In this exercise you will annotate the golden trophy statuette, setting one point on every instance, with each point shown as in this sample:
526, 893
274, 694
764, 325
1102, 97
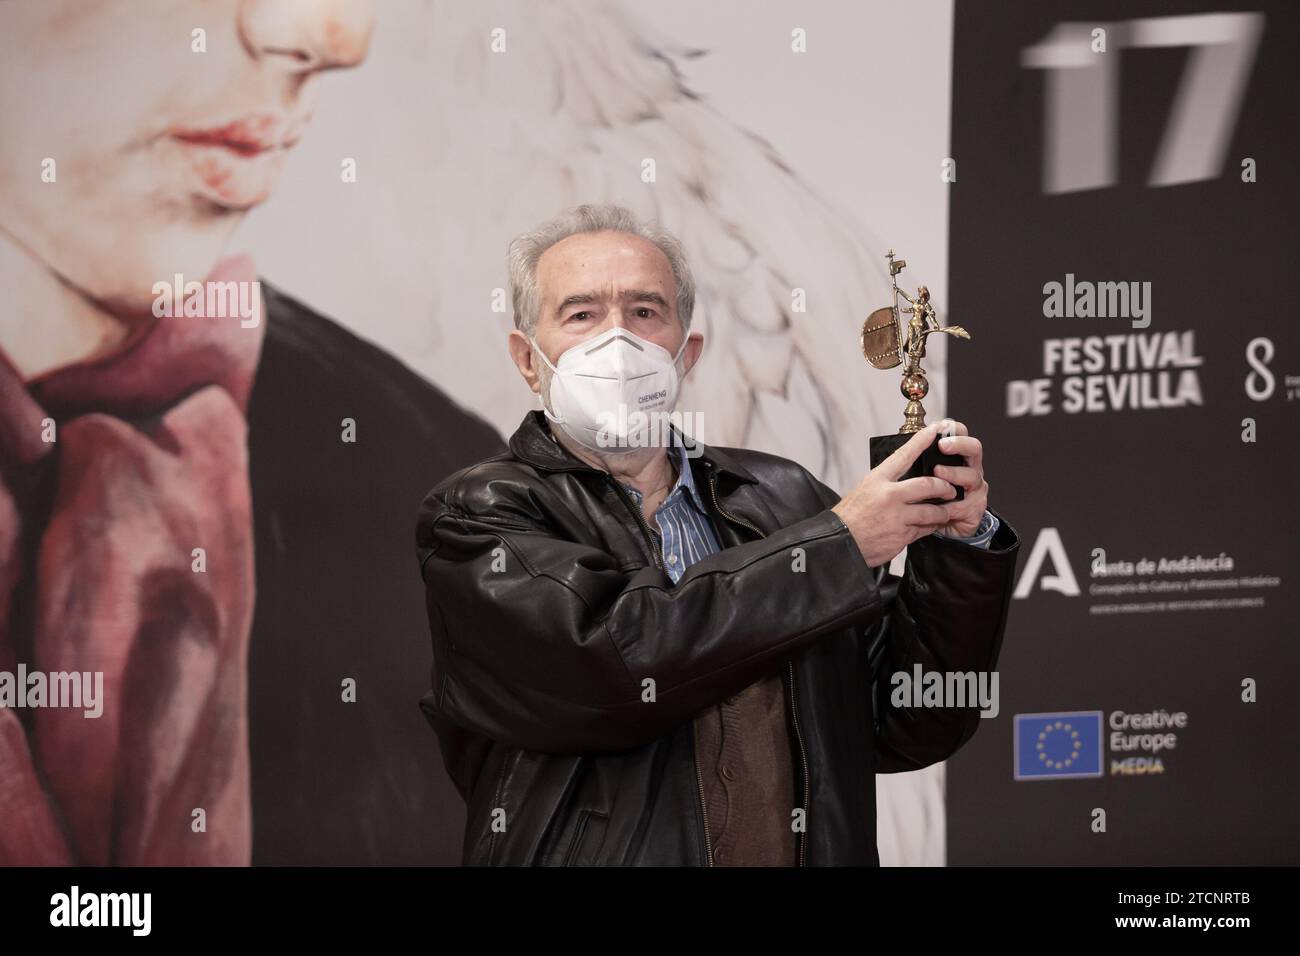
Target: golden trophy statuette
887, 343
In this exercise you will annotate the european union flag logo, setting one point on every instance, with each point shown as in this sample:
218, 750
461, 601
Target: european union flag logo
1058, 745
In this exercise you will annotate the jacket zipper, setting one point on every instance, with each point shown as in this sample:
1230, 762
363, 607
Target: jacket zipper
807, 790
650, 539
704, 816
657, 554
794, 706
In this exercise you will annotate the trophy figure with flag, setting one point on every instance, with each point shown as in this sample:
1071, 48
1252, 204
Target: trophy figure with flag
886, 344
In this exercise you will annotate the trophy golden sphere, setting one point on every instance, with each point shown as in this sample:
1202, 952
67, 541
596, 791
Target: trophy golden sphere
914, 386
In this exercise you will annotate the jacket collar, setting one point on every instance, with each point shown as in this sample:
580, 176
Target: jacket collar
532, 443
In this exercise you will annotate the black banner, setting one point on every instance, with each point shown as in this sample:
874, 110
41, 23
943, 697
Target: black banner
1123, 240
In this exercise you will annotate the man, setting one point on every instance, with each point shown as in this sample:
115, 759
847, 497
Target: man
644, 656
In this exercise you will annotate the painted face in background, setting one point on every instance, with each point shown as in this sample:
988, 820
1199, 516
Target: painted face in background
159, 138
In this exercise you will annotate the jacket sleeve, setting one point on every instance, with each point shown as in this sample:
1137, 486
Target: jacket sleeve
947, 613
552, 645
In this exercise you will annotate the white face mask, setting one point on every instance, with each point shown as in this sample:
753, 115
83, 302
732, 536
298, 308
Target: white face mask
604, 389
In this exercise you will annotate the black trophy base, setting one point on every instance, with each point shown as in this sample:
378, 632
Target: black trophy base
882, 446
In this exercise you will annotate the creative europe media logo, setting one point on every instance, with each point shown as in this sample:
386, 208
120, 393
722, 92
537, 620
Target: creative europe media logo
1069, 744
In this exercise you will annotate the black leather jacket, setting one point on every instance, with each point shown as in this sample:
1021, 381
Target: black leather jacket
568, 668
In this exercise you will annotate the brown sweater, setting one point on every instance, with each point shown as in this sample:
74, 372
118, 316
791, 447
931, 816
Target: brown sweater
747, 766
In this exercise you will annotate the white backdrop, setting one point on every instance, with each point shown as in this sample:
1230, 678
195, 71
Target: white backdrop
779, 170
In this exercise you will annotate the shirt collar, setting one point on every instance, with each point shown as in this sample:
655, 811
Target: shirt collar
685, 478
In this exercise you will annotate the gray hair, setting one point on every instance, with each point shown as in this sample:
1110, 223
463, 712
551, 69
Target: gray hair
527, 249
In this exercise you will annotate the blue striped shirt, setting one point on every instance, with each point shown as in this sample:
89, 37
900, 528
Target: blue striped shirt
684, 527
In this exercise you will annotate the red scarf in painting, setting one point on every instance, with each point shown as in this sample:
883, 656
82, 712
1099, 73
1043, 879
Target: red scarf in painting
99, 532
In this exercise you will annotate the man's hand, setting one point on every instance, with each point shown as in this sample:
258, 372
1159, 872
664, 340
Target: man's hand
964, 516
886, 515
